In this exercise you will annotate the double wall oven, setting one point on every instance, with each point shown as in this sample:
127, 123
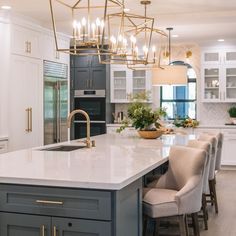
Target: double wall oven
94, 103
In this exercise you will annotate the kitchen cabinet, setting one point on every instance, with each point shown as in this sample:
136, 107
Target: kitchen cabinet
25, 103
49, 48
25, 41
88, 74
219, 76
229, 147
125, 83
12, 224
34, 210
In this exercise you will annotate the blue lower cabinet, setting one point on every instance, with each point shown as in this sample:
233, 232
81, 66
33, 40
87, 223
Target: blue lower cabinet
31, 225
76, 227
24, 225
52, 211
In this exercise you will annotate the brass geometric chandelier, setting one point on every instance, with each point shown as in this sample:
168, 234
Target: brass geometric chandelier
158, 41
87, 20
125, 38
104, 27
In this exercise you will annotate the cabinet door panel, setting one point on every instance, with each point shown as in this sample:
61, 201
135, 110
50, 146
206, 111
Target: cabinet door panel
82, 61
81, 79
98, 77
26, 92
75, 227
24, 225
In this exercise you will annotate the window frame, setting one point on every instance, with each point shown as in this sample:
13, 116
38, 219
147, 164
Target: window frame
190, 80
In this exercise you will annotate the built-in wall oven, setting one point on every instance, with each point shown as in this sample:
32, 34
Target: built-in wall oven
94, 103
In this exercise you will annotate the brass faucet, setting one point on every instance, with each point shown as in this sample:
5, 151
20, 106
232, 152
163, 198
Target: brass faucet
88, 142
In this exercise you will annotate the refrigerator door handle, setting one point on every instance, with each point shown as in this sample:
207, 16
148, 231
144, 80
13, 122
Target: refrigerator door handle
58, 114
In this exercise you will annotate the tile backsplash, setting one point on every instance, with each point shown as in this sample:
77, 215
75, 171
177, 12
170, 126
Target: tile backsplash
214, 113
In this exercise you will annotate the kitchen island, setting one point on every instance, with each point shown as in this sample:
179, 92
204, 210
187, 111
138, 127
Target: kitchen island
96, 191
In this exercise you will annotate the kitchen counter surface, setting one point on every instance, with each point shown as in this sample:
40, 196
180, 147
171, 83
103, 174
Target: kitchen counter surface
116, 161
210, 126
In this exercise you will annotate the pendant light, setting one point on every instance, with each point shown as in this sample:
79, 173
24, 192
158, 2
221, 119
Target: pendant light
169, 74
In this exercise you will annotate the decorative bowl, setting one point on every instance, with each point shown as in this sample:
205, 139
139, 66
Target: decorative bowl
150, 134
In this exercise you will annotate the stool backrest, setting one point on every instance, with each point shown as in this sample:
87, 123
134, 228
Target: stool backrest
184, 162
206, 146
214, 144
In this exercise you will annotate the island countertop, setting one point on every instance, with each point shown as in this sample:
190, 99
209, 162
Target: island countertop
116, 161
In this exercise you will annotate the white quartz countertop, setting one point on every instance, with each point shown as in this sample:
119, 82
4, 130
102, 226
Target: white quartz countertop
116, 161
210, 126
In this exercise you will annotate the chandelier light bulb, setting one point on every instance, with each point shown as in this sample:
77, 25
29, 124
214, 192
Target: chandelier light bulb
120, 38
98, 22
83, 21
74, 24
153, 49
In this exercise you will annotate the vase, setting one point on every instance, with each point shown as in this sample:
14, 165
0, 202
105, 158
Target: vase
150, 134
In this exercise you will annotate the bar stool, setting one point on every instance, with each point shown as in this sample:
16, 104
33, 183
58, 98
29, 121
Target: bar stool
207, 147
211, 180
179, 191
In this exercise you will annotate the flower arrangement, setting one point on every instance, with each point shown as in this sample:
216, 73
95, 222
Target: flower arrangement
186, 123
142, 117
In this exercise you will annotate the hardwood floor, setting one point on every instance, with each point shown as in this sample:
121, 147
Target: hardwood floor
221, 224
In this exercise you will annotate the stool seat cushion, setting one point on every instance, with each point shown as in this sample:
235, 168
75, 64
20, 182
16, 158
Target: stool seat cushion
159, 202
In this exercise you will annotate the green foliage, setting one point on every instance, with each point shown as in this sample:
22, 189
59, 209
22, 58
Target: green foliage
142, 117
187, 122
232, 112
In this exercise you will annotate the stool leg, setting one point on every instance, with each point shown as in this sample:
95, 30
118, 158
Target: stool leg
182, 225
214, 194
204, 210
145, 222
195, 224
157, 227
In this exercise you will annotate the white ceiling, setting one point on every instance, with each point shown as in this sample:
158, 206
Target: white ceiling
193, 20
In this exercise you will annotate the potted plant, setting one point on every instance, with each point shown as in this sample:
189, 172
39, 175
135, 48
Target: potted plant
232, 114
143, 119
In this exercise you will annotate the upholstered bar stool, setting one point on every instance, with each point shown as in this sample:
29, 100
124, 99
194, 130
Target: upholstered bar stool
207, 147
179, 191
212, 189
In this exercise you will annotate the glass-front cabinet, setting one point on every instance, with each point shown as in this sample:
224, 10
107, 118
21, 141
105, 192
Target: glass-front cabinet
219, 76
126, 83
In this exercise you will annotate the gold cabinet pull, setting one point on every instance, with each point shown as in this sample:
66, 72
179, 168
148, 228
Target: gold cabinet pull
42, 229
28, 120
50, 202
54, 231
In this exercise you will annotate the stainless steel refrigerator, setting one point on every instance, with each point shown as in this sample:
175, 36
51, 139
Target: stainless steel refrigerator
55, 102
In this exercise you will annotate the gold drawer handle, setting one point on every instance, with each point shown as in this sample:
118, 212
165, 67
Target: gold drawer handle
42, 230
50, 202
54, 231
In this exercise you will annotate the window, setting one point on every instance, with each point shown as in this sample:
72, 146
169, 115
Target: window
180, 101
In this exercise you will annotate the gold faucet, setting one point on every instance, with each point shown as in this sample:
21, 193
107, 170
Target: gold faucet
88, 142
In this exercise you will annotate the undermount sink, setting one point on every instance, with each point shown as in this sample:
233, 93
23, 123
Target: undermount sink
63, 148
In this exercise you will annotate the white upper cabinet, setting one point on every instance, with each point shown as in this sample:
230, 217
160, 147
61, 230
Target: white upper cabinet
25, 42
49, 48
219, 57
125, 83
218, 76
